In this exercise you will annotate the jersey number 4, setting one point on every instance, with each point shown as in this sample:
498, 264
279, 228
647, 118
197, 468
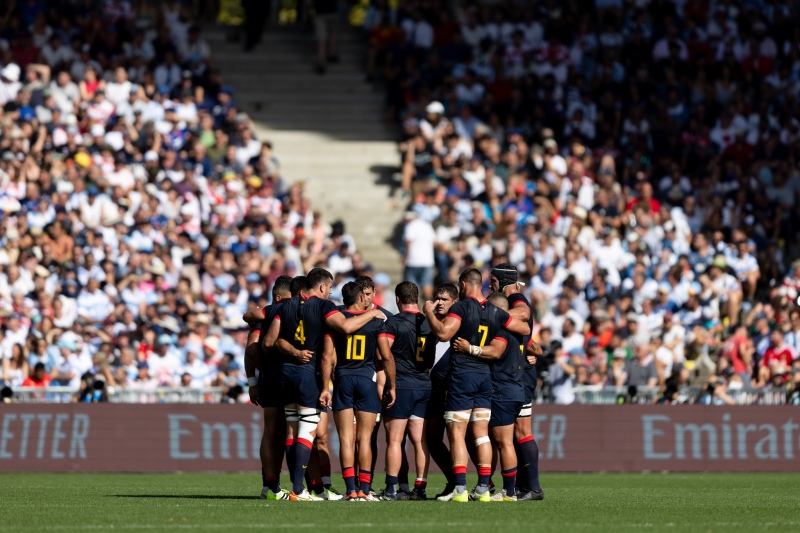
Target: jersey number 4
356, 347
483, 331
300, 333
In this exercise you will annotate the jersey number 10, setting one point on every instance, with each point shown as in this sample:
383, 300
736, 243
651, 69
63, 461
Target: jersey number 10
356, 347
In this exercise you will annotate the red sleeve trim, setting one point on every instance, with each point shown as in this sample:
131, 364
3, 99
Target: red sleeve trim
453, 315
331, 313
264, 311
500, 339
328, 336
256, 331
519, 302
277, 317
507, 322
387, 335
530, 341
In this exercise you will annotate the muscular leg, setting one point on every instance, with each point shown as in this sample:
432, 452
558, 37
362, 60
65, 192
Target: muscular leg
395, 433
402, 475
365, 422
422, 457
306, 432
527, 454
479, 422
272, 446
291, 436
347, 442
456, 434
434, 435
503, 436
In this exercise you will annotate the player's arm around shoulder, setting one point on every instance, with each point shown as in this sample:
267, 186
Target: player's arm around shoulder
447, 328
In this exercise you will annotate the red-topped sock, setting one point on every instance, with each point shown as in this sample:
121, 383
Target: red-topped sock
349, 475
510, 481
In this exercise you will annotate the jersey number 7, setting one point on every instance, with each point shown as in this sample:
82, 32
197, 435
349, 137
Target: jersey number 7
483, 331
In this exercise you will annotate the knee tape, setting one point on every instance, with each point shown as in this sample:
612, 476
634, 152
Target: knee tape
480, 416
291, 413
525, 412
309, 418
482, 440
456, 416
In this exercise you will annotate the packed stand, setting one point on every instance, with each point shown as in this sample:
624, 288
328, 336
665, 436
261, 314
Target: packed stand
140, 215
633, 159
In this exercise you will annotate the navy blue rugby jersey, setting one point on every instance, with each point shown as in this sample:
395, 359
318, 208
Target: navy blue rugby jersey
507, 371
480, 323
410, 333
355, 354
302, 325
516, 300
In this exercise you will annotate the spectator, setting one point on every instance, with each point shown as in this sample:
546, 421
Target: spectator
38, 378
641, 369
419, 238
560, 373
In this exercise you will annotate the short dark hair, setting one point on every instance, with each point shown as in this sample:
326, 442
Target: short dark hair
407, 292
447, 288
317, 277
350, 293
38, 366
498, 299
298, 284
283, 285
471, 276
365, 282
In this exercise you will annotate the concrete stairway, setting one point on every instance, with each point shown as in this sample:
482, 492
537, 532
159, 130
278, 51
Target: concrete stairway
328, 131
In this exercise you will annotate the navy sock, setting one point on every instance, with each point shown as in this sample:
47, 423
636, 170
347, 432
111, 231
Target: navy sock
420, 485
484, 475
460, 475
365, 481
391, 484
529, 460
290, 458
263, 479
272, 484
509, 480
349, 475
522, 473
302, 452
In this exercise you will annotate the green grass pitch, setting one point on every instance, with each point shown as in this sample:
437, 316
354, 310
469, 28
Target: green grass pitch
230, 502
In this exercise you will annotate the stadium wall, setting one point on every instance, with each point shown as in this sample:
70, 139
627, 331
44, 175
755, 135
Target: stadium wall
200, 438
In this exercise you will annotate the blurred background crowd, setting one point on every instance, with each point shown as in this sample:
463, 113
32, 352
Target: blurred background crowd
634, 159
140, 214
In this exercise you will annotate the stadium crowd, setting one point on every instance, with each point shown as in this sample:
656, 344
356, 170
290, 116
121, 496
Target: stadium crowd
635, 160
140, 214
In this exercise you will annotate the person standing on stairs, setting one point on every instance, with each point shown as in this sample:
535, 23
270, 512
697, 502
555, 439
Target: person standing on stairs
326, 14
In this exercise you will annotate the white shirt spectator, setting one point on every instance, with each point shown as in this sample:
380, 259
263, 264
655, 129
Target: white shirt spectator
419, 237
94, 305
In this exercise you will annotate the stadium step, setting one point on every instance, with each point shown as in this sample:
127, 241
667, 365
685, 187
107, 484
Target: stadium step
328, 131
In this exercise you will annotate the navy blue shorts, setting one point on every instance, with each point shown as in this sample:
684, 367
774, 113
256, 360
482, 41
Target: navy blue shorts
468, 391
504, 413
409, 403
270, 391
436, 403
299, 386
356, 392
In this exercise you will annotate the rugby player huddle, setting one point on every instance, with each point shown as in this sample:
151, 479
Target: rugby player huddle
463, 365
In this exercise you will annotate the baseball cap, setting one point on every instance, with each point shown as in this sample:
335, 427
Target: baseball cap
142, 364
435, 108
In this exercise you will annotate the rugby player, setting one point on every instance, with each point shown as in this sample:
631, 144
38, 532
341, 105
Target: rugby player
354, 392
405, 335
505, 279
469, 391
265, 392
437, 359
297, 332
507, 353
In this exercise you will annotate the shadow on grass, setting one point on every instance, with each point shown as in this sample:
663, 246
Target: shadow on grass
187, 496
